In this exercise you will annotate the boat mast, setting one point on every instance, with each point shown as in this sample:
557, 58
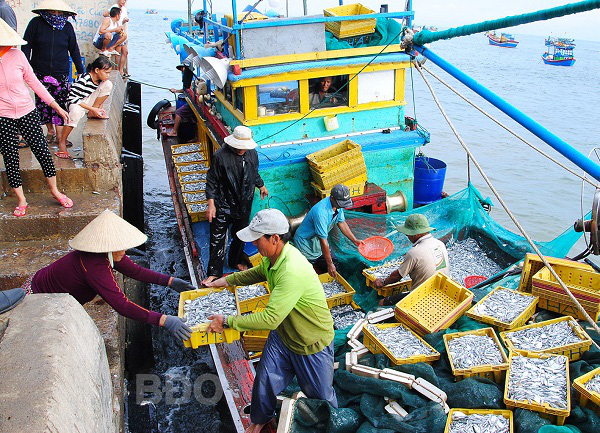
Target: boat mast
190, 16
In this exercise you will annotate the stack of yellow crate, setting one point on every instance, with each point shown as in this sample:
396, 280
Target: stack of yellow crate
341, 163
191, 162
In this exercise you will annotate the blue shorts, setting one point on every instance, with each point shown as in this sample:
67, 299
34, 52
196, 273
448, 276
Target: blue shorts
98, 42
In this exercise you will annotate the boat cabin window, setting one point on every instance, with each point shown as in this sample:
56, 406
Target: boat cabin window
321, 90
228, 93
239, 99
278, 98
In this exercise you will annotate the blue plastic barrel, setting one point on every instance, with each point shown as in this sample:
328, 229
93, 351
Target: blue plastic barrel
429, 180
180, 101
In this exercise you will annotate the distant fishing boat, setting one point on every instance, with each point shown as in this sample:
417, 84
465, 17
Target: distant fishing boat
560, 42
151, 11
559, 55
165, 18
506, 40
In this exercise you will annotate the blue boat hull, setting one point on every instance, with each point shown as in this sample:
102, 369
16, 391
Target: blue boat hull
503, 44
567, 62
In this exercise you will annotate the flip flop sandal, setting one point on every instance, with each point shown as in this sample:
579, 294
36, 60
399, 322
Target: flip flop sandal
65, 201
20, 211
63, 155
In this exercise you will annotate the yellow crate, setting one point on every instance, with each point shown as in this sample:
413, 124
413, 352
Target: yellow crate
333, 156
183, 176
375, 346
555, 415
181, 158
199, 335
356, 189
492, 372
587, 398
254, 341
390, 289
176, 149
520, 320
253, 303
573, 351
345, 29
255, 259
188, 199
505, 413
195, 216
193, 186
434, 305
186, 167
562, 304
533, 264
341, 298
357, 172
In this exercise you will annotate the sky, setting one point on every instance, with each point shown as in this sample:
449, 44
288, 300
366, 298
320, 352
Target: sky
441, 13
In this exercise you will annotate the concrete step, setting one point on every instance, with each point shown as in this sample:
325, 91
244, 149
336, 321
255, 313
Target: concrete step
47, 219
71, 176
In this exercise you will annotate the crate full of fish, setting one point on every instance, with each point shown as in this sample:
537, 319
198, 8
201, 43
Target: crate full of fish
194, 197
539, 382
476, 353
588, 389
190, 167
189, 157
197, 211
254, 341
479, 420
533, 264
434, 305
561, 336
399, 343
196, 305
384, 271
249, 298
179, 149
198, 186
346, 315
504, 308
583, 284
337, 290
197, 176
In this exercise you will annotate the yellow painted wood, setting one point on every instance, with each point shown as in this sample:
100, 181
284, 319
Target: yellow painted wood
353, 91
303, 92
239, 116
250, 103
400, 81
319, 55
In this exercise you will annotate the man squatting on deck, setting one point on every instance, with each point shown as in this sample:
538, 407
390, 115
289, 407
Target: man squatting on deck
427, 256
301, 339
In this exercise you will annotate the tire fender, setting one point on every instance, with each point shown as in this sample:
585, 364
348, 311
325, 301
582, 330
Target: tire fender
152, 120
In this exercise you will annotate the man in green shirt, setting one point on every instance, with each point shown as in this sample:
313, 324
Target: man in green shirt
301, 341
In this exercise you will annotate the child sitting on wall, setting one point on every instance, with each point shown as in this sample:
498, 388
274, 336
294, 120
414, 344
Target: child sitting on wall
87, 94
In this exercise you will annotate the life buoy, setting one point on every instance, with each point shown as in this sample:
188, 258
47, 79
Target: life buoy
152, 120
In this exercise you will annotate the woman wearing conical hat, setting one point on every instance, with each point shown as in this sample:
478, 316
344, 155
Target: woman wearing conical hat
19, 116
88, 271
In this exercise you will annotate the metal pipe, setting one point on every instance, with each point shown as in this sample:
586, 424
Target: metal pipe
189, 16
564, 148
305, 7
204, 26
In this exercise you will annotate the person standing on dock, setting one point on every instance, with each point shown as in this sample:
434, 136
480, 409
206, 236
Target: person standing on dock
427, 256
301, 339
230, 184
122, 48
89, 271
311, 236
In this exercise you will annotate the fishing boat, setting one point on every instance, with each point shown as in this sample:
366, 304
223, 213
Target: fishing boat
557, 55
505, 40
151, 11
267, 88
560, 42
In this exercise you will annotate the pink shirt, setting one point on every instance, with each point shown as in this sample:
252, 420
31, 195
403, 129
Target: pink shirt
15, 70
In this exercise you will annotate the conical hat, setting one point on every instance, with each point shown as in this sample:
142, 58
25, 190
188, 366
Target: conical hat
107, 233
53, 5
8, 37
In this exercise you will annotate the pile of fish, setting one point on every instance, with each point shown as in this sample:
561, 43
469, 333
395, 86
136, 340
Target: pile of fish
474, 350
544, 337
467, 258
480, 423
193, 177
196, 311
253, 291
193, 167
400, 341
189, 157
193, 186
386, 269
194, 147
345, 315
540, 380
195, 196
504, 305
333, 288
593, 384
197, 207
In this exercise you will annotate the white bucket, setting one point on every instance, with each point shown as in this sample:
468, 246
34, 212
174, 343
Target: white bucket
262, 111
331, 123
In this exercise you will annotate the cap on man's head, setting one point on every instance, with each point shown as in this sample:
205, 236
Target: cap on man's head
265, 222
415, 224
341, 196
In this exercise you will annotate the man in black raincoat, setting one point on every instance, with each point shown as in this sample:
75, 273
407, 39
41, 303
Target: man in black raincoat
230, 184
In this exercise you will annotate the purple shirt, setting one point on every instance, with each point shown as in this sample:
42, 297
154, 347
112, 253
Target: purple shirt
85, 275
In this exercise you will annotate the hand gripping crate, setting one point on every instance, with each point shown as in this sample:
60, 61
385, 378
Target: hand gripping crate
346, 29
434, 305
587, 398
252, 304
573, 351
199, 335
375, 346
520, 320
341, 298
196, 215
492, 372
389, 290
533, 264
254, 341
555, 415
505, 413
583, 284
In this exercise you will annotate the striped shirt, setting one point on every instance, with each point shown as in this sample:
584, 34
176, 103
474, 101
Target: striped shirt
81, 89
